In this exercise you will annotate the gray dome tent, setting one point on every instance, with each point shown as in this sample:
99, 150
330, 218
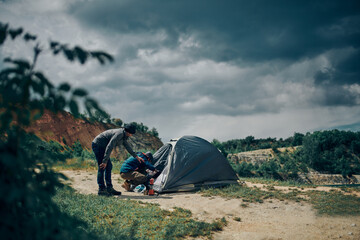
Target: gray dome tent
189, 163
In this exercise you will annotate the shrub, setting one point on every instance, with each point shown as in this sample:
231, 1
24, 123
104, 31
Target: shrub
27, 181
245, 169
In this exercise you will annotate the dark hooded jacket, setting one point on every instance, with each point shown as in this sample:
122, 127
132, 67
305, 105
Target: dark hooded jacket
109, 139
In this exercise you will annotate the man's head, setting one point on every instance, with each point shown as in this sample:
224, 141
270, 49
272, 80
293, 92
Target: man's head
130, 129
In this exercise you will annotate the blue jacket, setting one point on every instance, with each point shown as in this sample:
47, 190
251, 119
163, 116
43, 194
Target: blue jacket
132, 164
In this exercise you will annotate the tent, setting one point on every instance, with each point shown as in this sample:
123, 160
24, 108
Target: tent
189, 163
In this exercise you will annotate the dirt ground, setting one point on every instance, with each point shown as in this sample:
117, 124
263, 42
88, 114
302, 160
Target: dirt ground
272, 219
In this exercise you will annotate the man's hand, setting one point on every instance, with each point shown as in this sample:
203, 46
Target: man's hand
103, 165
139, 158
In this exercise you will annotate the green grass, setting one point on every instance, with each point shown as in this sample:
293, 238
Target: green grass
270, 181
334, 203
114, 218
83, 164
325, 203
251, 194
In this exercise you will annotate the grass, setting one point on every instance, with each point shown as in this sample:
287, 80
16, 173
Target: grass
333, 203
269, 181
83, 164
114, 218
251, 194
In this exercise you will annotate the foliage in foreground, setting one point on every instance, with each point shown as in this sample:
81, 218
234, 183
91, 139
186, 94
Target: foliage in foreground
27, 181
114, 218
326, 203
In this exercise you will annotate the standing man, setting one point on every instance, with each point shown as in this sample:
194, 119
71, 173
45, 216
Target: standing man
102, 145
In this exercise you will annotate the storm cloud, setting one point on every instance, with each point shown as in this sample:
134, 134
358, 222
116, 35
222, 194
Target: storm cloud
188, 67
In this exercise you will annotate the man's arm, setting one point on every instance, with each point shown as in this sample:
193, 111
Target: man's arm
110, 146
149, 166
129, 149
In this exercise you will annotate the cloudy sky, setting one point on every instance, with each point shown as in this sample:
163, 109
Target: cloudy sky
211, 68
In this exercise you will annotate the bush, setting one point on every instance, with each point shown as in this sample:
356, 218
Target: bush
245, 169
27, 181
332, 151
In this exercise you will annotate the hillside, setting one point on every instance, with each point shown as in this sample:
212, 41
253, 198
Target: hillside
312, 177
257, 156
66, 129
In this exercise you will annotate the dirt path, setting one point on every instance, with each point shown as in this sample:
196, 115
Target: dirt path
269, 220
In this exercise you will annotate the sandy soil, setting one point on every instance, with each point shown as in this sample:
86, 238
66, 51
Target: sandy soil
272, 219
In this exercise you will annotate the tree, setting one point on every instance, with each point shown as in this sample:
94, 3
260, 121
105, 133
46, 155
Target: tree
27, 181
297, 139
154, 132
219, 146
117, 122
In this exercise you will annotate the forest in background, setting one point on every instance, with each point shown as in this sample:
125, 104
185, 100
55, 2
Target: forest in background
330, 151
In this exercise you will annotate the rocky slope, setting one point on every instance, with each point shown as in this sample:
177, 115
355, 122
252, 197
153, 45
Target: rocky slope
66, 129
257, 156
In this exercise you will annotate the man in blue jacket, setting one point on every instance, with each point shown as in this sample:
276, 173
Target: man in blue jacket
102, 145
133, 171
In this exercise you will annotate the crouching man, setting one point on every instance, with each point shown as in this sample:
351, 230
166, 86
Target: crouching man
133, 171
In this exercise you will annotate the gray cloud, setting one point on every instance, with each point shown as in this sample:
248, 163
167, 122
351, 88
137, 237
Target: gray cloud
256, 30
241, 32
185, 66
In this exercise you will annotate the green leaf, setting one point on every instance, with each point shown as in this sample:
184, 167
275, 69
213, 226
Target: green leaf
28, 37
38, 87
91, 103
60, 103
64, 87
74, 107
81, 54
80, 92
54, 45
102, 56
22, 64
69, 54
3, 32
15, 32
44, 80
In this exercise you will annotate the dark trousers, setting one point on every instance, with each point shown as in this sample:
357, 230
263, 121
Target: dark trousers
99, 154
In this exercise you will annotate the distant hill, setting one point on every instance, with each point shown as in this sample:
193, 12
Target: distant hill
66, 129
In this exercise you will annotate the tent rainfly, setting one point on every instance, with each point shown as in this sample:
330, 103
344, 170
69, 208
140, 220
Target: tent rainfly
190, 163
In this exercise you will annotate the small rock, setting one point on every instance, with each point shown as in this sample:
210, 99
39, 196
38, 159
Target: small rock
350, 233
353, 225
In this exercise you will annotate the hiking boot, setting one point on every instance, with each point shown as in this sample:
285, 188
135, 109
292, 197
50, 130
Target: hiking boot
103, 192
127, 186
112, 191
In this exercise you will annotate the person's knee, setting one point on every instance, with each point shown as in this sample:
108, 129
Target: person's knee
141, 178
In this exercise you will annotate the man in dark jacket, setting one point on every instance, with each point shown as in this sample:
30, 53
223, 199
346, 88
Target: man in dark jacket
133, 171
102, 145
